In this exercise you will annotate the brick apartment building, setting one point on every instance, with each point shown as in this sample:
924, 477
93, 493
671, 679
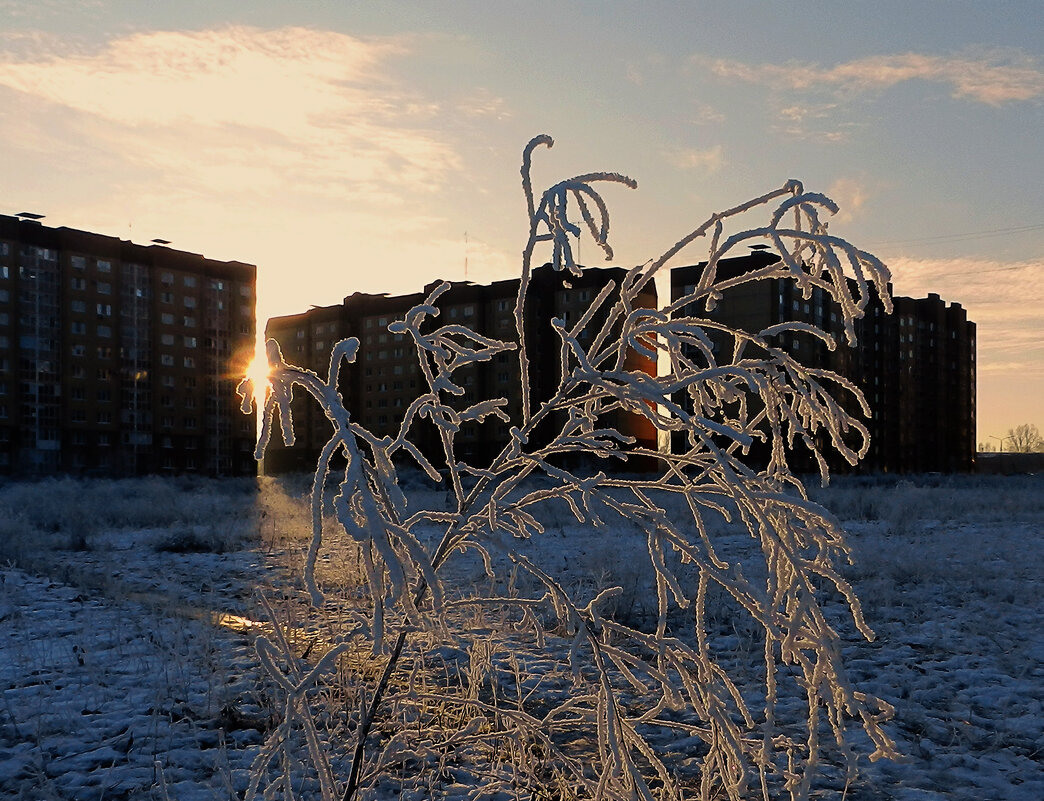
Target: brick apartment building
386, 377
120, 359
916, 367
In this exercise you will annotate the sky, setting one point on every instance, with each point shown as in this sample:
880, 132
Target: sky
375, 146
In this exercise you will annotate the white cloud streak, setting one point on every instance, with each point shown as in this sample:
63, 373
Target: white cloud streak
708, 160
247, 108
994, 78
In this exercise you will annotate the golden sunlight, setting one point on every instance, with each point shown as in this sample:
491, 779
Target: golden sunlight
257, 371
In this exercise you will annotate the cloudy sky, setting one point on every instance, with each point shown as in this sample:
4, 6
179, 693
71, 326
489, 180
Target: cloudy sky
374, 146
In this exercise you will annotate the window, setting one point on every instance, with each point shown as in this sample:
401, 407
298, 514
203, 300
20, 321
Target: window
104, 395
168, 381
78, 263
188, 322
104, 266
104, 352
167, 319
78, 350
104, 309
167, 339
78, 415
104, 331
78, 327
190, 302
190, 342
189, 281
103, 418
167, 279
189, 362
103, 287
167, 360
77, 283
245, 291
166, 297
78, 306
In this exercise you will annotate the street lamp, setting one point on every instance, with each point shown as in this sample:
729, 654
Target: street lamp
1000, 440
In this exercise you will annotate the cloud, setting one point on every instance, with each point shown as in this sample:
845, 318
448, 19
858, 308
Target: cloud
850, 194
709, 160
994, 78
244, 109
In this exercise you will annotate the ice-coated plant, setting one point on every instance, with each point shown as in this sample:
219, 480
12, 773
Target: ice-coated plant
627, 681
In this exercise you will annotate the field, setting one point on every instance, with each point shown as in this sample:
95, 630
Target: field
128, 612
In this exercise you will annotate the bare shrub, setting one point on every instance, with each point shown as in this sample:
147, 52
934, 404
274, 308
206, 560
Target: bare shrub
590, 731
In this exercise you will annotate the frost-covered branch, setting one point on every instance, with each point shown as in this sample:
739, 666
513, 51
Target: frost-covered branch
735, 404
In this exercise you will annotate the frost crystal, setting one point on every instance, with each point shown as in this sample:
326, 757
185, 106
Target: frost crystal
631, 678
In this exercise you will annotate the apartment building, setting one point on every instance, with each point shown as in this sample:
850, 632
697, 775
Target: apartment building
916, 366
386, 377
120, 359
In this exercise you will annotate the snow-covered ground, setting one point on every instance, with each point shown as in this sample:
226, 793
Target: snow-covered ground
127, 611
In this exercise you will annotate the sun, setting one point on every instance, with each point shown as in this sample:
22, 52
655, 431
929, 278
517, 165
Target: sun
257, 371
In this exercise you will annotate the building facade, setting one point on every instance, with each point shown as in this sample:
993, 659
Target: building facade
120, 359
915, 367
386, 378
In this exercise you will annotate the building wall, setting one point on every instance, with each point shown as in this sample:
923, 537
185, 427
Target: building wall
120, 359
916, 367
387, 377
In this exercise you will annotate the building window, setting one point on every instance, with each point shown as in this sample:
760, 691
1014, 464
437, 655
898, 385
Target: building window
104, 331
77, 283
78, 306
189, 281
167, 319
78, 350
104, 267
167, 360
78, 262
188, 322
104, 309
103, 288
167, 279
78, 327
190, 342
166, 297
189, 362
190, 302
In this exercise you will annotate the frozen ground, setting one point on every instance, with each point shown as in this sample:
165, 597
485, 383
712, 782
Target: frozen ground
128, 672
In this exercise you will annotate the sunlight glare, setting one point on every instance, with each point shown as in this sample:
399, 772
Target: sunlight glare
257, 371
